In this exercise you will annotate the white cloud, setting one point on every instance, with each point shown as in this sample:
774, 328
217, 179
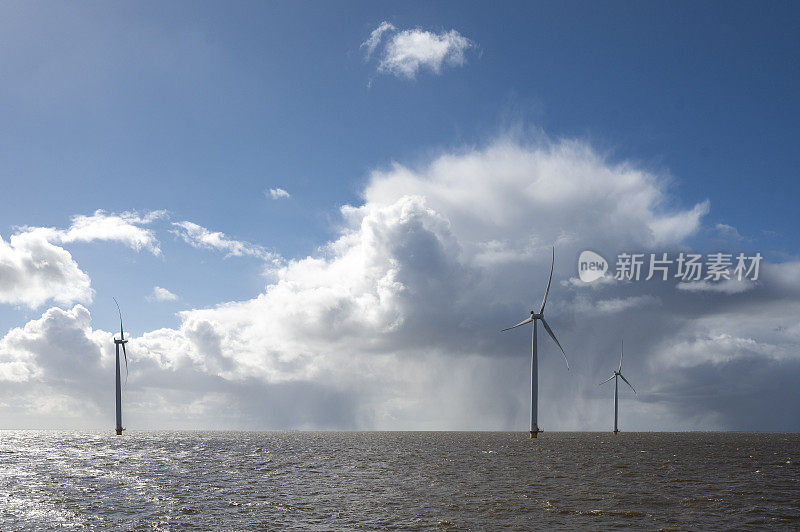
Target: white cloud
125, 227
604, 281
199, 237
33, 271
718, 348
517, 194
161, 294
407, 51
761, 331
727, 286
58, 347
728, 231
615, 305
278, 193
375, 37
668, 229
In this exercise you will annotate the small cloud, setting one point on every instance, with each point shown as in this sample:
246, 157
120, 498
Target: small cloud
728, 286
614, 305
278, 193
161, 294
728, 231
125, 227
680, 225
606, 280
375, 37
407, 51
199, 237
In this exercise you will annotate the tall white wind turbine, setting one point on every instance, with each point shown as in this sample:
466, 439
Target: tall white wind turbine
120, 342
616, 376
534, 364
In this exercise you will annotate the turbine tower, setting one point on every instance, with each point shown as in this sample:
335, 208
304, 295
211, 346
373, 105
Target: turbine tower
534, 364
616, 376
120, 342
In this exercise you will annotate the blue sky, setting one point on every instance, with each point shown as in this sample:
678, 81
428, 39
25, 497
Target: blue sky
199, 109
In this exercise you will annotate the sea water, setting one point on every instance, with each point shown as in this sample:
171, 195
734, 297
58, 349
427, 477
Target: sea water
397, 480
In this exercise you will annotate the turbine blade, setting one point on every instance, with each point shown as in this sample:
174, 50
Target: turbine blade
519, 324
621, 353
553, 336
121, 334
547, 291
629, 384
125, 354
608, 379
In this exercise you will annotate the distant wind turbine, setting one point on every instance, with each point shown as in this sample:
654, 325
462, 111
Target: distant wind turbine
616, 374
120, 342
534, 365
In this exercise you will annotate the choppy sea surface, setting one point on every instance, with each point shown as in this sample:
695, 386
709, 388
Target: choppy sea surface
397, 480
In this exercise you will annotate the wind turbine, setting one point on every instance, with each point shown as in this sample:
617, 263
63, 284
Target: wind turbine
534, 365
120, 342
615, 376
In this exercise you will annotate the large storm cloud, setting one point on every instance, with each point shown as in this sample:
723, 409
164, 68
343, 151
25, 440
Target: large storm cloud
394, 323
